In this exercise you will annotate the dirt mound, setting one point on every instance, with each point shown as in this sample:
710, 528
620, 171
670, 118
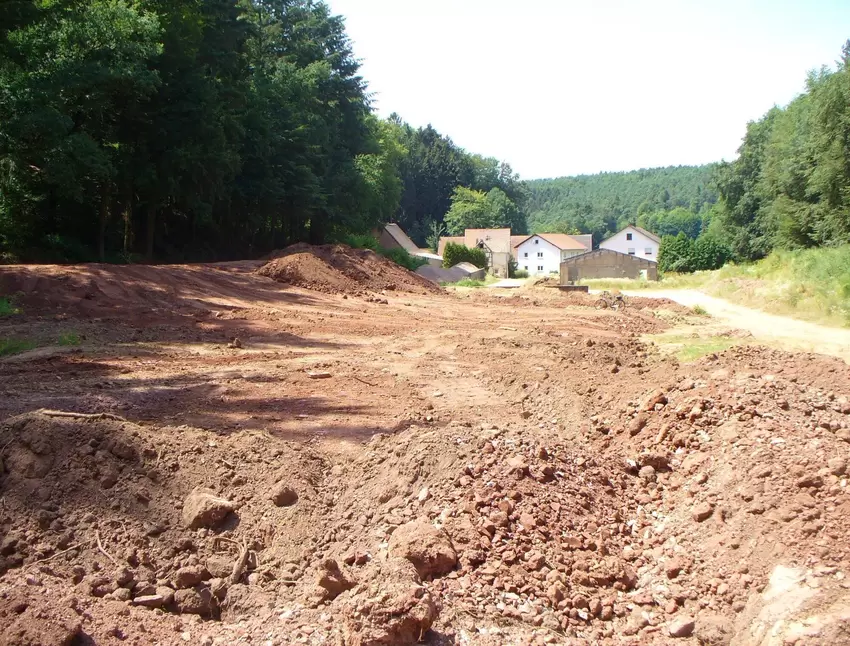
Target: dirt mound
339, 269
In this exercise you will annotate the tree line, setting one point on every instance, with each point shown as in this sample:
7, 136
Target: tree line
205, 129
790, 186
663, 200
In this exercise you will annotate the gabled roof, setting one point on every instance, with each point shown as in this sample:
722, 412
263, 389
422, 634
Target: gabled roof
497, 240
401, 238
562, 241
648, 234
607, 252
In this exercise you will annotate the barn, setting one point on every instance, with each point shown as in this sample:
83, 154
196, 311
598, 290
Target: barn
606, 263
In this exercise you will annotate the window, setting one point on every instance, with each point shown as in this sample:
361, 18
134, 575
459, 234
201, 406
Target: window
536, 241
539, 267
648, 251
526, 267
628, 236
631, 251
525, 255
539, 254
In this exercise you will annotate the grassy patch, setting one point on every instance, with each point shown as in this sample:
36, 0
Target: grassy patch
810, 284
468, 282
7, 307
70, 338
699, 310
690, 347
15, 346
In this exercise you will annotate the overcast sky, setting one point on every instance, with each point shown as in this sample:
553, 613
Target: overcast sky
563, 87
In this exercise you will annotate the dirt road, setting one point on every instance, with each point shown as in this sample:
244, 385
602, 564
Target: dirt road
219, 458
781, 331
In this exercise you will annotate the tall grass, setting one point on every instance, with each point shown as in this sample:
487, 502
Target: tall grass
811, 284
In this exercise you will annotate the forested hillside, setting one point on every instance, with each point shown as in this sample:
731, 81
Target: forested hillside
205, 129
790, 186
665, 200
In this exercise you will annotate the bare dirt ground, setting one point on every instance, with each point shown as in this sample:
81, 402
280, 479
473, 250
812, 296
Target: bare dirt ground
249, 462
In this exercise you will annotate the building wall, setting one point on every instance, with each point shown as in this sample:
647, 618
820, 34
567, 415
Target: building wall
606, 264
638, 246
499, 264
550, 260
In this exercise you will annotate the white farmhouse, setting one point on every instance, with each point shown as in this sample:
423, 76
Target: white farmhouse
634, 241
543, 253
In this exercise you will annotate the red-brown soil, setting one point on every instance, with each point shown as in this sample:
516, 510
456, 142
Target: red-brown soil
553, 478
338, 269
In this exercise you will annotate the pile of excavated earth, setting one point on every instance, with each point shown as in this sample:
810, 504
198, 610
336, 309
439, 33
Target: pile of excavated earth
532, 471
339, 269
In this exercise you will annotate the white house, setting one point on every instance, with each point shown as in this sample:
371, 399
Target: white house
634, 241
543, 253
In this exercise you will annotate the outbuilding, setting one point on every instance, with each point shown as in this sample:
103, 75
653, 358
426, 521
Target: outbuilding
605, 263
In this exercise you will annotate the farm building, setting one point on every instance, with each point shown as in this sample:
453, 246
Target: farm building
605, 263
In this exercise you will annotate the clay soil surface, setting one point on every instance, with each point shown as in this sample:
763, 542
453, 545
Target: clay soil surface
205, 455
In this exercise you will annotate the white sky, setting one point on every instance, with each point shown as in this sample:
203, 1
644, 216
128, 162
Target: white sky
562, 87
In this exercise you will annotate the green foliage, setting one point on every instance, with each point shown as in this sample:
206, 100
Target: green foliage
432, 171
671, 223
675, 254
398, 256
15, 346
681, 254
603, 204
455, 253
790, 186
195, 130
469, 282
361, 241
70, 339
403, 258
699, 310
709, 253
520, 273
7, 307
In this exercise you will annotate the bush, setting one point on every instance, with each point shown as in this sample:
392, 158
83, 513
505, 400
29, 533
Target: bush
403, 258
680, 254
361, 241
468, 282
398, 256
520, 273
455, 253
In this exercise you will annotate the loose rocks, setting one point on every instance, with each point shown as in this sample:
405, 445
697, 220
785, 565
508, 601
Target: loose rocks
203, 508
429, 549
283, 495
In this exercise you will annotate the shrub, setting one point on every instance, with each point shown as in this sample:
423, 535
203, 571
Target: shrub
398, 256
680, 254
7, 307
361, 241
403, 258
455, 253
468, 282
520, 273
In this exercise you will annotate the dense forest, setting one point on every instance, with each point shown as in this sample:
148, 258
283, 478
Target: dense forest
663, 200
790, 186
210, 129
200, 129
